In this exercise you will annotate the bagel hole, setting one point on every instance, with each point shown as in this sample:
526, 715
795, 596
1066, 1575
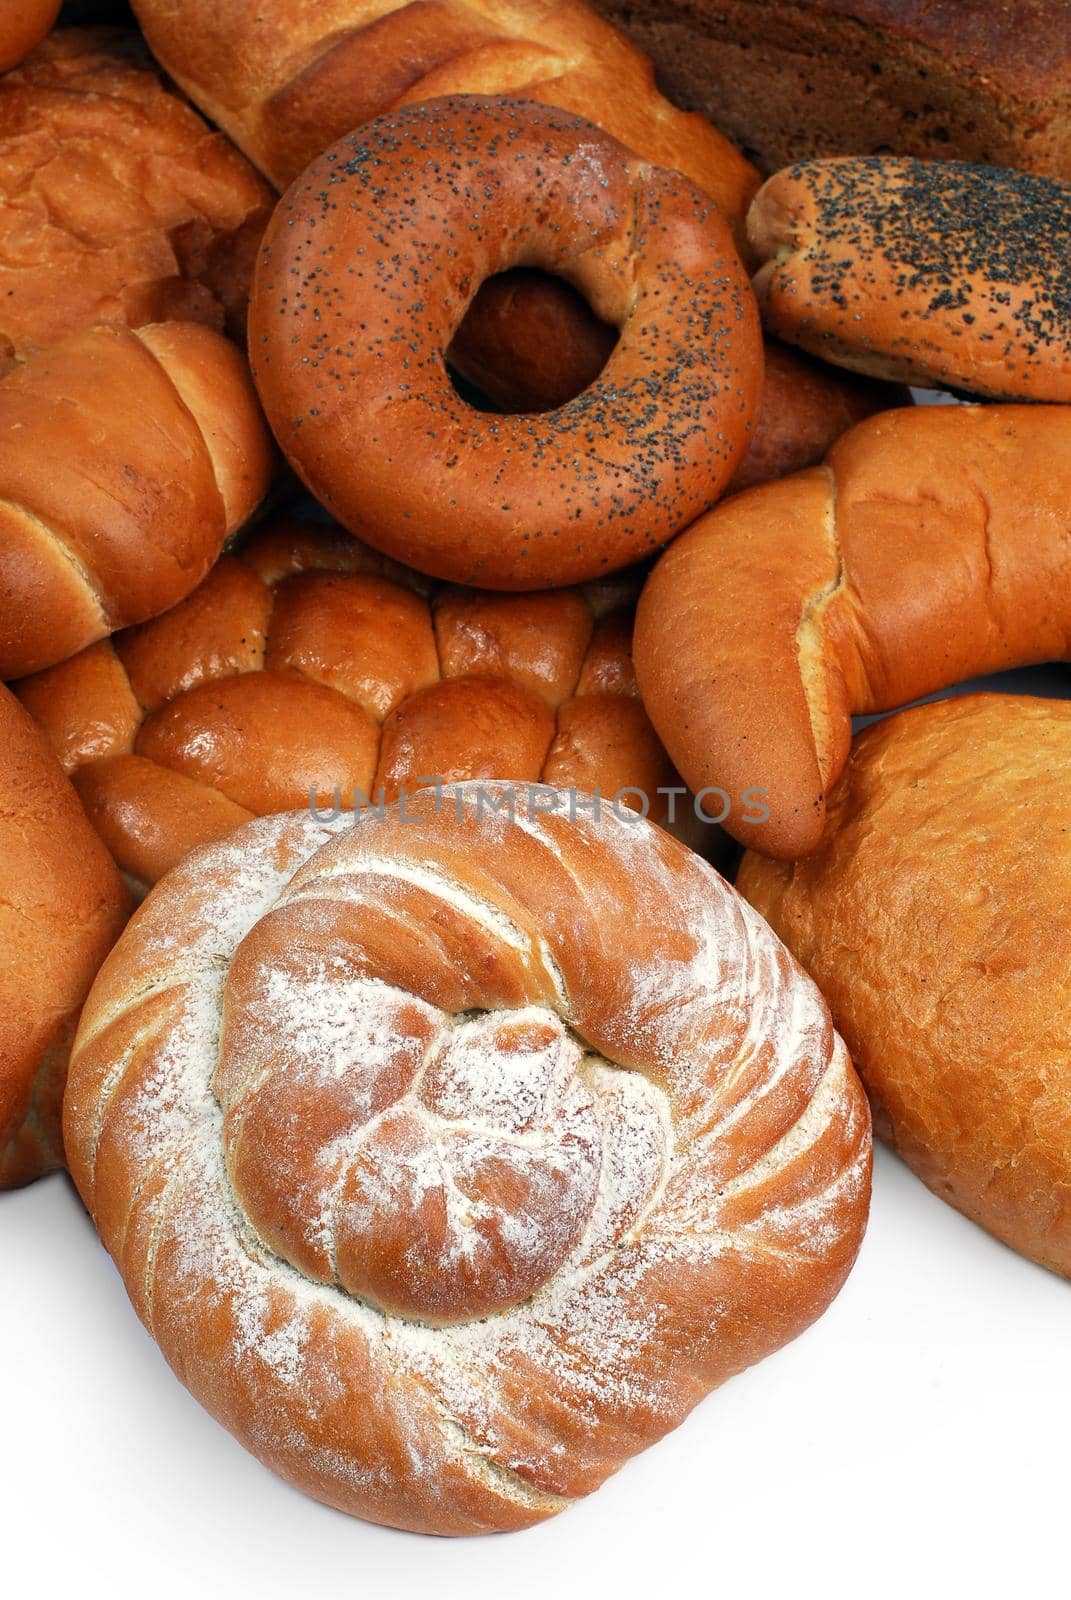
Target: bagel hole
529, 342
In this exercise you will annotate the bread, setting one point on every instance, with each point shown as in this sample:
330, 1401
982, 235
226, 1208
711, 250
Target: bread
430, 201
934, 544
285, 79
935, 918
934, 273
306, 666
440, 1198
23, 24
62, 906
125, 461
117, 203
984, 81
530, 343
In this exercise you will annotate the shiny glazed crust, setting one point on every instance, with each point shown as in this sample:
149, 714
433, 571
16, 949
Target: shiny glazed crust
929, 272
394, 229
452, 1161
62, 906
125, 461
306, 664
935, 917
934, 545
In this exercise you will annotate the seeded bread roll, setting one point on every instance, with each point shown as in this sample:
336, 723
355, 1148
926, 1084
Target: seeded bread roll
933, 273
936, 919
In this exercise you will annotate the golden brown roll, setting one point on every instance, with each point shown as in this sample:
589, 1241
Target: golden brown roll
285, 79
452, 1157
23, 24
928, 272
117, 203
366, 269
936, 919
306, 666
62, 906
126, 458
934, 545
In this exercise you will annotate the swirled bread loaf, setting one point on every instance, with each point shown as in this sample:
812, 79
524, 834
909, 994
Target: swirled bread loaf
451, 1161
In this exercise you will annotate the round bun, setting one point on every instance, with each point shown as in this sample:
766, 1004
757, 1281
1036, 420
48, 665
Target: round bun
62, 905
307, 665
23, 24
929, 272
125, 461
454, 1156
936, 919
117, 203
366, 271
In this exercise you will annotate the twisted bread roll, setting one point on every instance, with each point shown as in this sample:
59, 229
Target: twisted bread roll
930, 272
285, 79
935, 916
366, 270
23, 24
934, 545
117, 203
62, 906
452, 1161
125, 461
307, 666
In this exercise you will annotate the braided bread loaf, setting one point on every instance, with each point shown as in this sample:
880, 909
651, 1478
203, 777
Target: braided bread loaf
125, 461
61, 908
23, 24
934, 545
452, 1160
117, 203
307, 665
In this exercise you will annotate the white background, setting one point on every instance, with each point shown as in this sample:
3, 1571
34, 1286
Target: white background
914, 1442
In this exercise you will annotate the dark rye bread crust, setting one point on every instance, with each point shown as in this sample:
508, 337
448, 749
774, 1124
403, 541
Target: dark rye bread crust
976, 80
937, 273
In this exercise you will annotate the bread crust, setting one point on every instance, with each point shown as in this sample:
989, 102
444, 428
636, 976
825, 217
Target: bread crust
287, 79
935, 920
985, 81
22, 26
933, 546
127, 459
935, 273
117, 203
621, 1210
430, 202
307, 664
62, 906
